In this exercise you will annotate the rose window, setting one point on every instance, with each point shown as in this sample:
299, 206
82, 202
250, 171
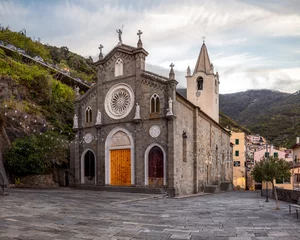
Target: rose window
119, 101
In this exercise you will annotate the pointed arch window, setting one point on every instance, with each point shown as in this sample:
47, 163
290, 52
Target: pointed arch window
154, 104
88, 114
200, 83
119, 67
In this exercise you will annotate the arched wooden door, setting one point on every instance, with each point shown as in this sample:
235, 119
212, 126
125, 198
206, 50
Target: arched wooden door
156, 167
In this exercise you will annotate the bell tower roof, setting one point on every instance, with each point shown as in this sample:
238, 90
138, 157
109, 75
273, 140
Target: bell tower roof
203, 63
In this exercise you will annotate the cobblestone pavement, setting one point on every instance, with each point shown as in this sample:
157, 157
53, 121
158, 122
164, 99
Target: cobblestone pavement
78, 214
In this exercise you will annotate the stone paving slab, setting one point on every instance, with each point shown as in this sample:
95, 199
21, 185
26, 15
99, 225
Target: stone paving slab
77, 214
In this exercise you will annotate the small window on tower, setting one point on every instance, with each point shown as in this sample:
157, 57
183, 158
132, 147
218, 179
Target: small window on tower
200, 83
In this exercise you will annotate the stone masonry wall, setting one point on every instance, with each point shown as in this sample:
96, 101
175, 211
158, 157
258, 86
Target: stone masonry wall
183, 170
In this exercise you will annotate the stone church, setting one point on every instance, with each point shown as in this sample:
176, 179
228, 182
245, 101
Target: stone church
134, 130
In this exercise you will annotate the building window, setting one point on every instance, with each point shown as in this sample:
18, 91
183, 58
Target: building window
89, 165
237, 153
283, 180
88, 114
184, 137
267, 154
295, 160
118, 67
237, 141
200, 83
297, 178
275, 154
154, 104
236, 163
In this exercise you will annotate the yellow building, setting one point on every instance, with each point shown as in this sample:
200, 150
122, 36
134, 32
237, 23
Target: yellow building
239, 159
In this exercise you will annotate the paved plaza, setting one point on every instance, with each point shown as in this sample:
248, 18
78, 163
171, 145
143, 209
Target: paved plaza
78, 214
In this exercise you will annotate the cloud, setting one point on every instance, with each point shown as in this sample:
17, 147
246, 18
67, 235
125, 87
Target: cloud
251, 43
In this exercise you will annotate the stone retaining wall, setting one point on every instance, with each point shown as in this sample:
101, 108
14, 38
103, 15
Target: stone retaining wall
37, 181
284, 195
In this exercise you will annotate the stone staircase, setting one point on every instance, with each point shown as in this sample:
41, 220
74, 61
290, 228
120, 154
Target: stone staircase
217, 188
130, 189
212, 189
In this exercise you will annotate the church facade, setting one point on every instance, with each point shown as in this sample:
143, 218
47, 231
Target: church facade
133, 129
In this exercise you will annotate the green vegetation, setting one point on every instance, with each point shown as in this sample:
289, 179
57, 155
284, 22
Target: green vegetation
229, 123
265, 112
78, 66
31, 89
36, 154
269, 170
37, 87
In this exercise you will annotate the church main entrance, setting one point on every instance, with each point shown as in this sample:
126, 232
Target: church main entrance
119, 158
120, 167
156, 167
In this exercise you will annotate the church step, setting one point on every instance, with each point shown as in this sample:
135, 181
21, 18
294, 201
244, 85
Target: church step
212, 189
130, 189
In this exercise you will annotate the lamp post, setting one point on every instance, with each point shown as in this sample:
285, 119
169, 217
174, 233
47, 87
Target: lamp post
207, 162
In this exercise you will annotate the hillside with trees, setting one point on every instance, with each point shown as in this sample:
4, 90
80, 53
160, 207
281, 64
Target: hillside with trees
273, 114
36, 109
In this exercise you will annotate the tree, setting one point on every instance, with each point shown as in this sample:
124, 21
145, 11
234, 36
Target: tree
270, 169
36, 154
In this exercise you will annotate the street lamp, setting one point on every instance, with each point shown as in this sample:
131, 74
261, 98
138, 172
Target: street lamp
207, 162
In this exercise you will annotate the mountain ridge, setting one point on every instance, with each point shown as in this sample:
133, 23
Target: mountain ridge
270, 113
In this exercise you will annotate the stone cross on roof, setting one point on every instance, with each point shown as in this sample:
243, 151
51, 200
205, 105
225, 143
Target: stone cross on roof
100, 54
100, 47
172, 65
139, 33
203, 37
139, 44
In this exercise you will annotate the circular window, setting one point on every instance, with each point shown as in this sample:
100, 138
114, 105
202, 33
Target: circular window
119, 101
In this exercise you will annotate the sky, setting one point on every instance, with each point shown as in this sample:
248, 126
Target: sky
253, 44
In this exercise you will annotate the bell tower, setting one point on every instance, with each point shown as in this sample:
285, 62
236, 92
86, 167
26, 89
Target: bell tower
203, 85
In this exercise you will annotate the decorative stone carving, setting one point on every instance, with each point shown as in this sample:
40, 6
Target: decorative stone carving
120, 139
75, 121
120, 32
77, 89
88, 138
137, 112
154, 131
119, 101
98, 118
170, 109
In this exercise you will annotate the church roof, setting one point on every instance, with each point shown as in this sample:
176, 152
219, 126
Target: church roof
124, 49
203, 62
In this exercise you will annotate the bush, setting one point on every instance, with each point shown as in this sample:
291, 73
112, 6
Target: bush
36, 154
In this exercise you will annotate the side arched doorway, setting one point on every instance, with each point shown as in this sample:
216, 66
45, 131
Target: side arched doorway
155, 166
88, 167
119, 158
